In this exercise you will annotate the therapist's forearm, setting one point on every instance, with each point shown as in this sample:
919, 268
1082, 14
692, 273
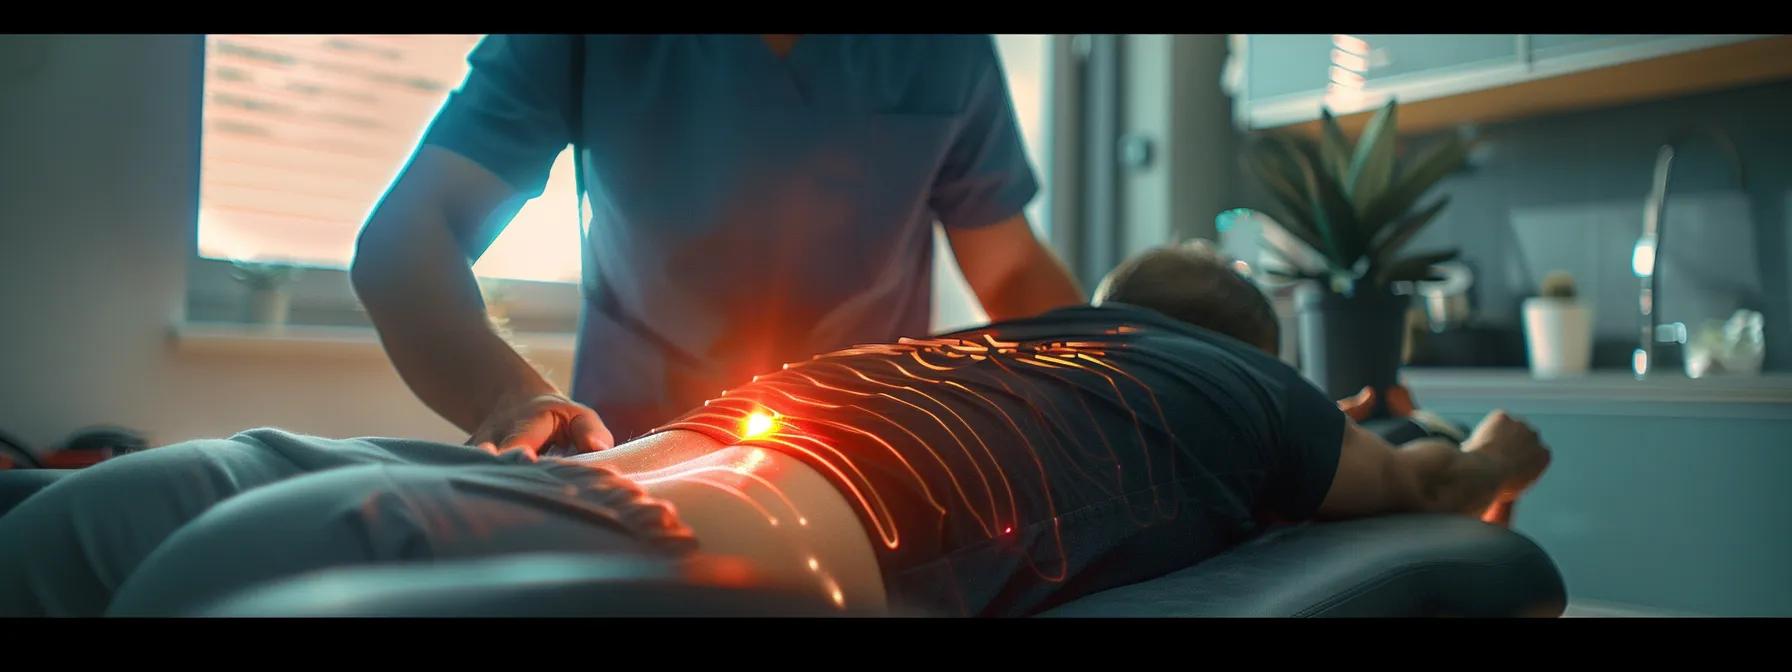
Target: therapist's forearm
1031, 289
422, 297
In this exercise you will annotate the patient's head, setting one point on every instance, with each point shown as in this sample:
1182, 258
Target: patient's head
1195, 283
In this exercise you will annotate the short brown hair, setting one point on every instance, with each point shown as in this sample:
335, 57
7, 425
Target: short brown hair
1195, 283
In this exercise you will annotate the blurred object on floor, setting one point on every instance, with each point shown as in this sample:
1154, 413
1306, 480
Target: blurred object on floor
94, 445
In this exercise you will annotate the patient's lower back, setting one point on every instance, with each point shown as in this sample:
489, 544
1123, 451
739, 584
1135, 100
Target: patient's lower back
1000, 469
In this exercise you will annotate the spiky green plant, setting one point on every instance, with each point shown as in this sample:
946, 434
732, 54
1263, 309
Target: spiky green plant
1353, 204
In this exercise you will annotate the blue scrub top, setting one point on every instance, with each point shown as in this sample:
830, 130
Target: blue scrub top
746, 209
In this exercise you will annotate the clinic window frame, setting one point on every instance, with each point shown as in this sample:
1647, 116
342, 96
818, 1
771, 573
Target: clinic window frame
323, 296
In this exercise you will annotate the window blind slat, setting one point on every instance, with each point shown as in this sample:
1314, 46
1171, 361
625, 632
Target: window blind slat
304, 133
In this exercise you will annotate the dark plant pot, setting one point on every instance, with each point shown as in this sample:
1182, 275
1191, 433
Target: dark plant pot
1348, 343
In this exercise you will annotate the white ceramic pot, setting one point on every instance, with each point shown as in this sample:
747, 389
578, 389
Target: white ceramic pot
1559, 336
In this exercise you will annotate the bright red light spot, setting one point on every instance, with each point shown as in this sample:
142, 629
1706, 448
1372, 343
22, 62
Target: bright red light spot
757, 424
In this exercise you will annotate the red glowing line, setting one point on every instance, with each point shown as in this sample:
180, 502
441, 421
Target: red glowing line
1165, 420
1033, 454
917, 357
776, 492
858, 490
795, 422
1138, 432
802, 433
805, 400
1002, 475
889, 535
737, 493
1114, 459
918, 440
1162, 419
889, 539
886, 445
1035, 406
1051, 506
942, 423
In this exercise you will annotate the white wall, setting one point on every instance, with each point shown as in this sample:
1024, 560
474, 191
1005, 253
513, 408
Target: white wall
98, 180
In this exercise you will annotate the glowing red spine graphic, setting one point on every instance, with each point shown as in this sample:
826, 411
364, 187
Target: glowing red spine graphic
836, 405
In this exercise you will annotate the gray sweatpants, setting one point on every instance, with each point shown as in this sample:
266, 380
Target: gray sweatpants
171, 529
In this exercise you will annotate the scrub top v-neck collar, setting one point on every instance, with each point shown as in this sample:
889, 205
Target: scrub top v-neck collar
793, 73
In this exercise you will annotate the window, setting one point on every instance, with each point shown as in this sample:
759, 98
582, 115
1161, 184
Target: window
1026, 60
304, 133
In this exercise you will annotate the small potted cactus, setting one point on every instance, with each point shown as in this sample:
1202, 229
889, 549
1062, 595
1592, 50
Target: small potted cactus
268, 301
1558, 329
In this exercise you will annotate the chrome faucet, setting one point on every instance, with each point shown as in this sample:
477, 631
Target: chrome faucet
1648, 252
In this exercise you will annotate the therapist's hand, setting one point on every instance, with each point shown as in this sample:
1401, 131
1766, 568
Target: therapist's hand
533, 424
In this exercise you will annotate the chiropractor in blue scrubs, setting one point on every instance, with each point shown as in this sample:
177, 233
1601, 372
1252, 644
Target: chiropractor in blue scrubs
753, 200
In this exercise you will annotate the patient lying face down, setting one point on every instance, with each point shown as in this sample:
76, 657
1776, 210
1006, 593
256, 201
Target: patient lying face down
999, 470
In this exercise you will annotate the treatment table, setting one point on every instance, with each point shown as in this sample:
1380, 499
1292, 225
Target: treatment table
1396, 566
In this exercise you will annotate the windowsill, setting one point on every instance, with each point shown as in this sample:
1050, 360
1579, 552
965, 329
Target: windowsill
313, 341
322, 298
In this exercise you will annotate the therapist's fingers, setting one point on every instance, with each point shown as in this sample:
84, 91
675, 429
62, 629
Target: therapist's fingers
546, 423
486, 437
558, 429
530, 434
586, 433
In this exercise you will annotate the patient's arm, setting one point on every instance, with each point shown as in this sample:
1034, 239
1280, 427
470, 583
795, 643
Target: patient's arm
413, 272
1500, 460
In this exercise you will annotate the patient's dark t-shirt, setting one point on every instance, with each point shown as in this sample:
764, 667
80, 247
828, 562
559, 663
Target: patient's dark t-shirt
1005, 469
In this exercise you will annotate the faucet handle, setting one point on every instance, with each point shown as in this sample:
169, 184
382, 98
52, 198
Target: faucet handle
1669, 350
1671, 332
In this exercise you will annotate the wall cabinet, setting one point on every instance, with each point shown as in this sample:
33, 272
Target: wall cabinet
1280, 80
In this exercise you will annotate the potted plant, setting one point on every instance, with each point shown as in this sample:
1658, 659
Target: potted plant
268, 301
1348, 211
1558, 329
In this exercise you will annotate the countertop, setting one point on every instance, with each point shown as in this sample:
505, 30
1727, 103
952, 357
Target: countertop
1602, 392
